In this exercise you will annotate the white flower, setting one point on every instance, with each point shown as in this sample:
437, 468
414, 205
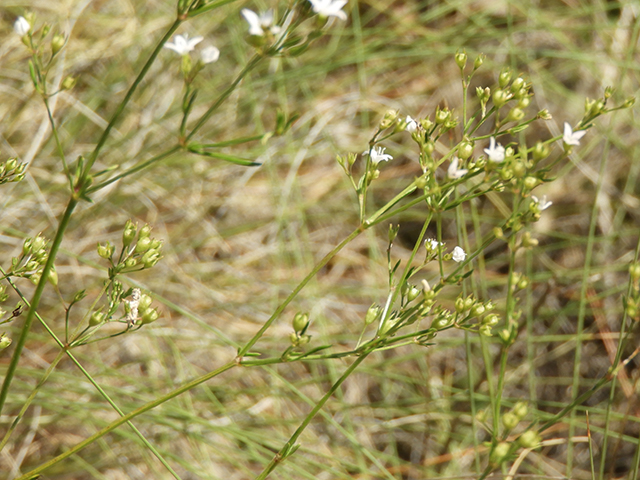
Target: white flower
329, 8
259, 23
458, 255
21, 26
542, 203
209, 54
412, 125
182, 44
494, 152
378, 155
431, 244
453, 171
570, 137
132, 316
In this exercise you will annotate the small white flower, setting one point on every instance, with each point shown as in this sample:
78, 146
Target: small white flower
458, 255
495, 152
21, 26
378, 155
259, 23
542, 203
412, 125
432, 245
329, 8
209, 54
182, 44
570, 137
453, 171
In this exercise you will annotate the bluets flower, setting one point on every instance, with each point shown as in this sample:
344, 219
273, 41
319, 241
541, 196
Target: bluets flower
209, 54
453, 171
329, 8
182, 44
21, 26
458, 255
495, 152
377, 155
570, 137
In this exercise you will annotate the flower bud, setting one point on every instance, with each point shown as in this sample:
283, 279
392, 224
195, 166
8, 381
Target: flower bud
129, 233
38, 243
465, 150
150, 258
517, 85
540, 151
21, 27
144, 303
500, 453
442, 115
523, 101
68, 83
528, 241
629, 102
478, 62
145, 231
53, 276
300, 322
529, 439
491, 320
57, 42
96, 319
459, 305
303, 340
485, 330
106, 251
530, 183
149, 316
515, 115
634, 271
5, 341
372, 314
504, 78
130, 262
544, 114
520, 409
413, 293
500, 97
477, 310
461, 59
27, 246
144, 244
510, 420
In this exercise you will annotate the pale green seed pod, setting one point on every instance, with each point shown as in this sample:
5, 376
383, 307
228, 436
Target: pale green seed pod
144, 244
96, 319
144, 303
5, 341
149, 316
300, 322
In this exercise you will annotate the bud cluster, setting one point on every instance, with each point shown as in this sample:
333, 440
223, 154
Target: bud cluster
12, 171
139, 250
300, 324
30, 263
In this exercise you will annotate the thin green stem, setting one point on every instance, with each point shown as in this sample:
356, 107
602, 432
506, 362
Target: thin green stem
286, 449
35, 301
54, 129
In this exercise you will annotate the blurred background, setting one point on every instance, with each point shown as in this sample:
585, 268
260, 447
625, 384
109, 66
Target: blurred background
237, 240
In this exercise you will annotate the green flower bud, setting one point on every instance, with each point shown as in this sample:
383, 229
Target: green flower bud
68, 83
544, 114
530, 183
469, 302
515, 115
505, 335
57, 42
500, 453
529, 439
150, 258
389, 118
465, 150
106, 251
413, 293
523, 101
5, 341
38, 243
461, 59
156, 244
144, 244
293, 338
129, 233
506, 174
53, 276
300, 322
429, 147
634, 271
500, 97
540, 151
491, 320
459, 305
483, 93
504, 78
144, 303
528, 241
10, 164
477, 310
510, 420
442, 115
96, 319
372, 314
517, 84
145, 231
27, 246
130, 262
478, 62
304, 339
629, 102
519, 169
149, 316
485, 330
520, 409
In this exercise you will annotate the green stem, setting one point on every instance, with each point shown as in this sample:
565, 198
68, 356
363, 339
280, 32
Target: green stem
35, 301
282, 454
126, 418
127, 97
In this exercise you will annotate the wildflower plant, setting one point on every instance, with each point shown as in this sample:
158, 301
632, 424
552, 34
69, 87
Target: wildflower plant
460, 156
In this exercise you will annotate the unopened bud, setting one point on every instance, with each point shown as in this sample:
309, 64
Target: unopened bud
144, 244
372, 314
106, 251
504, 78
145, 231
529, 439
96, 318
5, 341
478, 62
500, 97
500, 453
530, 183
461, 59
68, 83
510, 420
634, 271
53, 276
57, 42
465, 150
413, 293
150, 258
540, 151
149, 316
520, 409
300, 322
144, 303
129, 233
